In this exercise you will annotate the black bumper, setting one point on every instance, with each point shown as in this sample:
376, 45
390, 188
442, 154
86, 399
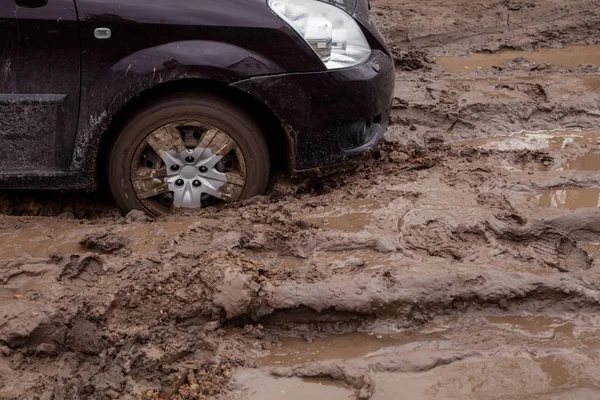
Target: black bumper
331, 116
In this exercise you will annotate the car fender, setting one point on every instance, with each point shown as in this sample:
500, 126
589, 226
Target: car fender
116, 85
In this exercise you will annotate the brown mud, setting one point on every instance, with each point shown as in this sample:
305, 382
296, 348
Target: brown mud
461, 260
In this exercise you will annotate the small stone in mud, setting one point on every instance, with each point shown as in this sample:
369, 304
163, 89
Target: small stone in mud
256, 332
104, 241
212, 326
253, 241
398, 157
5, 351
46, 349
56, 257
138, 216
355, 262
308, 337
85, 338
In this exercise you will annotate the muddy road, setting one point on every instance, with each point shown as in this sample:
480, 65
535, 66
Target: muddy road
462, 260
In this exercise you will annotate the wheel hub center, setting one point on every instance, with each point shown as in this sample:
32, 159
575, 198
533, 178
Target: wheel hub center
189, 172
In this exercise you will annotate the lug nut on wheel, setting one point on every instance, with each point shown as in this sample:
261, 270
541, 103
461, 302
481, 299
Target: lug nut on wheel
179, 182
175, 167
189, 159
197, 183
203, 169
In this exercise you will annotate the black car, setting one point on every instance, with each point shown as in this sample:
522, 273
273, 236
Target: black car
182, 103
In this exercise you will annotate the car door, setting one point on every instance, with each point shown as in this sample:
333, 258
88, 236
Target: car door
39, 85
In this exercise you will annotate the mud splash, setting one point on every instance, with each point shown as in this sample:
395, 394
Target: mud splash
569, 56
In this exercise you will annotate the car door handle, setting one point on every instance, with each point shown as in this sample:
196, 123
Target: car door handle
31, 3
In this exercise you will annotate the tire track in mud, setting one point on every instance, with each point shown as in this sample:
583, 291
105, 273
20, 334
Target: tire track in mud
146, 315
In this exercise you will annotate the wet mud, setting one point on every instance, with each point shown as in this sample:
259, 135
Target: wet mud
460, 261
570, 56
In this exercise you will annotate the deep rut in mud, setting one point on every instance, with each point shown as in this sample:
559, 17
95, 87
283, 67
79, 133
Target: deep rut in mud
460, 261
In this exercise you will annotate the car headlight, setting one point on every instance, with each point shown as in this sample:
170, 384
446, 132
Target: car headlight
331, 32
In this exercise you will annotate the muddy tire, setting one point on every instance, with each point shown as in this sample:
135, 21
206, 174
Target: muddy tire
187, 151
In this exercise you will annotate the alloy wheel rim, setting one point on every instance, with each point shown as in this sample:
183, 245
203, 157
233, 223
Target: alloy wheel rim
187, 165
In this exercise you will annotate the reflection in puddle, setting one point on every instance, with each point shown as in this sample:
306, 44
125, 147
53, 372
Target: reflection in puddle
353, 222
570, 198
570, 56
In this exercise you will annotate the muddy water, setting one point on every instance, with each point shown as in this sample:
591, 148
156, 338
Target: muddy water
531, 362
355, 345
586, 162
37, 239
46, 239
351, 222
261, 386
570, 56
538, 326
349, 216
541, 140
570, 198
553, 141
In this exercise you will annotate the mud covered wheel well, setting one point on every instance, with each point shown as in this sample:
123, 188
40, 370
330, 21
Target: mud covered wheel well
280, 145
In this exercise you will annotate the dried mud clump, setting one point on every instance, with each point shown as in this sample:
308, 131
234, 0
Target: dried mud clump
104, 241
412, 60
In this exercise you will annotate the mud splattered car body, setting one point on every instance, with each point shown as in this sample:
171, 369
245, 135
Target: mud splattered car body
72, 71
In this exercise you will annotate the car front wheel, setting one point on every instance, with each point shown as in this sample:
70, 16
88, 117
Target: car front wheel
187, 152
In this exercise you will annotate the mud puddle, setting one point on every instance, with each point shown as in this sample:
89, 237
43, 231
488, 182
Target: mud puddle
586, 162
350, 216
555, 142
262, 386
569, 56
351, 222
542, 327
354, 345
535, 140
429, 363
39, 238
569, 198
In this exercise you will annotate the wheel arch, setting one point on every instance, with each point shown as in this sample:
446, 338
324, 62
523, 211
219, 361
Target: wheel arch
280, 142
